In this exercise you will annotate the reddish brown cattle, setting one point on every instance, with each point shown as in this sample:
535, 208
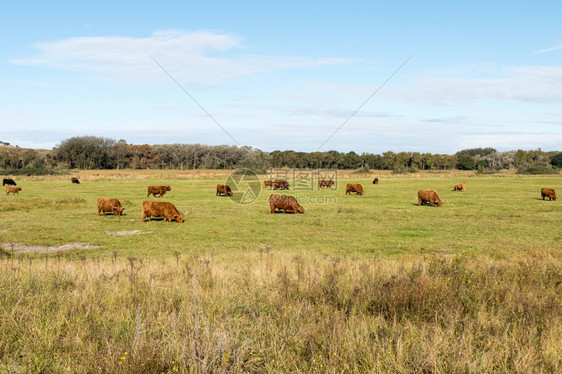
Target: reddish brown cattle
548, 192
268, 183
376, 181
357, 188
12, 190
325, 183
109, 206
161, 209
461, 186
158, 190
285, 203
280, 185
223, 189
429, 197
74, 180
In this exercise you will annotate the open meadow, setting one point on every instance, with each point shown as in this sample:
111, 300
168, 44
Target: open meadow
372, 283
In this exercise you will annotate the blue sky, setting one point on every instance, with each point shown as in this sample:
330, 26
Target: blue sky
284, 75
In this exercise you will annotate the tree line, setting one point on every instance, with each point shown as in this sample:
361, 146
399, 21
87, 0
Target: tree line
91, 152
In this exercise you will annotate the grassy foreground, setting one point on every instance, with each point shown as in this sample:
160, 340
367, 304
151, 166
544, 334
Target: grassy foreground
369, 283
282, 313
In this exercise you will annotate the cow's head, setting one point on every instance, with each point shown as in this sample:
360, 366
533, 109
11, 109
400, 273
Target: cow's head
361, 192
439, 202
168, 188
296, 208
178, 218
117, 210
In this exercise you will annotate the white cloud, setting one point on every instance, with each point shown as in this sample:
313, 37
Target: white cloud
200, 57
547, 50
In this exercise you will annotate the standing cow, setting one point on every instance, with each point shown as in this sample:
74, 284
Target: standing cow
109, 206
548, 192
285, 203
357, 188
461, 186
429, 197
376, 181
12, 190
9, 182
161, 209
158, 190
74, 180
223, 189
325, 183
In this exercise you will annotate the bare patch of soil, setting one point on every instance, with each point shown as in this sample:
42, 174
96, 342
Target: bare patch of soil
126, 232
23, 248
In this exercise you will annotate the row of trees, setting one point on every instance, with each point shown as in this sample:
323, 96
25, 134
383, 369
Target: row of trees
90, 152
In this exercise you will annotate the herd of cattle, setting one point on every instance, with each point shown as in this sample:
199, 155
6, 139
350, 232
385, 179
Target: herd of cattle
284, 203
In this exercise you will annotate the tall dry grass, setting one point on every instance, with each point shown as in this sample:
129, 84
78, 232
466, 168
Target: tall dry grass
272, 312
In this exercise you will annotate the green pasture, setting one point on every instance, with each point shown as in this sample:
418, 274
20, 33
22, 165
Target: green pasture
497, 215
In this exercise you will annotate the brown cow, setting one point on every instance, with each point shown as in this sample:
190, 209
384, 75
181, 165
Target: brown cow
158, 190
429, 197
74, 180
376, 181
357, 188
285, 203
280, 185
325, 183
13, 190
161, 209
268, 183
461, 186
548, 192
223, 189
110, 206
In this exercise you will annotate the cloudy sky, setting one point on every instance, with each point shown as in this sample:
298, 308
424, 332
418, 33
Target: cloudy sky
368, 76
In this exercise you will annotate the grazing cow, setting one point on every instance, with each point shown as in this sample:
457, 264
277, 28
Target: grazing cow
548, 192
325, 183
161, 209
74, 180
285, 203
376, 181
280, 185
110, 206
461, 186
429, 197
158, 190
223, 189
357, 188
268, 184
13, 190
9, 182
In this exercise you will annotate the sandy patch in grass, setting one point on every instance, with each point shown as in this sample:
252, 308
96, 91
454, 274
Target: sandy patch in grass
22, 248
126, 232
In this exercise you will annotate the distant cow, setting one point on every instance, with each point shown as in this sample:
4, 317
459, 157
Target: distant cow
376, 181
268, 183
223, 189
161, 209
280, 185
461, 186
357, 188
158, 190
429, 197
325, 183
13, 190
285, 203
548, 192
8, 181
109, 206
74, 180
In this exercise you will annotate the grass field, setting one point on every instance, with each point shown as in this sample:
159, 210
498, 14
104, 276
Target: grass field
371, 283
